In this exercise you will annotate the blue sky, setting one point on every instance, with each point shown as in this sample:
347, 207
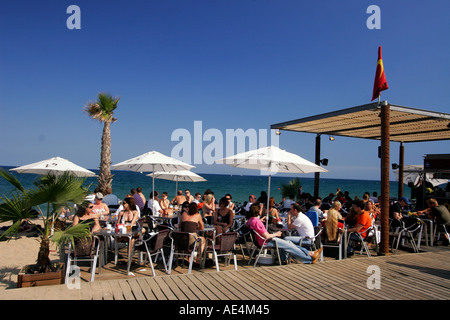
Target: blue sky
230, 64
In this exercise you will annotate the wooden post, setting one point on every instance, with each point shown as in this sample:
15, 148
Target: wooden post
401, 161
317, 174
385, 138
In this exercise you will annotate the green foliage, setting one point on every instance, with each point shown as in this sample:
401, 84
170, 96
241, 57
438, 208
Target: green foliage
55, 192
290, 189
102, 109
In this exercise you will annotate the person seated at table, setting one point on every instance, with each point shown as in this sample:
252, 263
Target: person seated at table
395, 212
351, 218
100, 208
191, 221
332, 225
209, 207
85, 215
274, 217
230, 205
373, 211
396, 209
363, 222
179, 198
129, 214
165, 204
223, 217
299, 221
188, 195
440, 214
285, 247
153, 204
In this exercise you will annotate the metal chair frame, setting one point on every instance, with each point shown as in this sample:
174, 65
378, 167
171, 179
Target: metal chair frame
93, 257
184, 249
264, 246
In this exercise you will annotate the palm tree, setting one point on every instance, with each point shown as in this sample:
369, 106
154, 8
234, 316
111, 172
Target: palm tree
103, 111
290, 189
52, 192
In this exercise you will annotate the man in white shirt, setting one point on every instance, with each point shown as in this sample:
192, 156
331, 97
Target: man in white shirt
251, 200
154, 205
297, 220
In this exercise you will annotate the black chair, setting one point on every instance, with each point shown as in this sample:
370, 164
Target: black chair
180, 247
153, 245
244, 236
336, 243
223, 245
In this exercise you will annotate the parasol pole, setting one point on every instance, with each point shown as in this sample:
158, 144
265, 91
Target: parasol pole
153, 189
268, 196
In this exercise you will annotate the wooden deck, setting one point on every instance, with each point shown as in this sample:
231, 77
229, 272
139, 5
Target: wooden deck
422, 276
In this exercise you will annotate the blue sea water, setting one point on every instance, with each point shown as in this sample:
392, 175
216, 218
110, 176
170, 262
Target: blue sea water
240, 187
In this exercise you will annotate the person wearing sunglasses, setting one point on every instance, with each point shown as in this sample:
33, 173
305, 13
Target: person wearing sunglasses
85, 215
230, 204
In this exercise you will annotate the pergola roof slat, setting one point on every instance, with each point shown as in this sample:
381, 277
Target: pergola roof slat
406, 124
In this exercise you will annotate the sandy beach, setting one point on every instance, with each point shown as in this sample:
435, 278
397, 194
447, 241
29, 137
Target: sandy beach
18, 252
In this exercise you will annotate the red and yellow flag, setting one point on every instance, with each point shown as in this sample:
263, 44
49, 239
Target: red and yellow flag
380, 83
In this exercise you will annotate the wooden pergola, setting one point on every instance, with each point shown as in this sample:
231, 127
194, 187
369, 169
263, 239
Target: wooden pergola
377, 121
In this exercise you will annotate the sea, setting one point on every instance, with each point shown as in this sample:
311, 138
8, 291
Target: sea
239, 186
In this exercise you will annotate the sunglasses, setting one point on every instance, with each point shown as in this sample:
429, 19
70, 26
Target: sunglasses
90, 207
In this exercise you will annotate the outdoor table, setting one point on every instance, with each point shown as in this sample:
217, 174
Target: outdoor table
112, 233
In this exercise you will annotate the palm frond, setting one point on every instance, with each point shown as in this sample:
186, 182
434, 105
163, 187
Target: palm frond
290, 189
79, 231
11, 231
102, 109
8, 176
15, 208
58, 191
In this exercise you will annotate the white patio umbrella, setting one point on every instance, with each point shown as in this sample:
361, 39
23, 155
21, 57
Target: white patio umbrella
413, 173
152, 161
271, 159
184, 175
56, 166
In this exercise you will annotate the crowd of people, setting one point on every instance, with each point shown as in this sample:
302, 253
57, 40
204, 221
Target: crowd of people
302, 214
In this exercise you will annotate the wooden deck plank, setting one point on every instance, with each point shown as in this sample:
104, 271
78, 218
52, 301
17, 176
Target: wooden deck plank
252, 288
155, 288
201, 287
300, 292
422, 276
116, 289
217, 293
165, 289
197, 293
107, 291
126, 290
220, 285
174, 286
146, 290
266, 279
136, 289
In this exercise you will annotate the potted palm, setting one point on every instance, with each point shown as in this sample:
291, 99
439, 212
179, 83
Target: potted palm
290, 190
44, 202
